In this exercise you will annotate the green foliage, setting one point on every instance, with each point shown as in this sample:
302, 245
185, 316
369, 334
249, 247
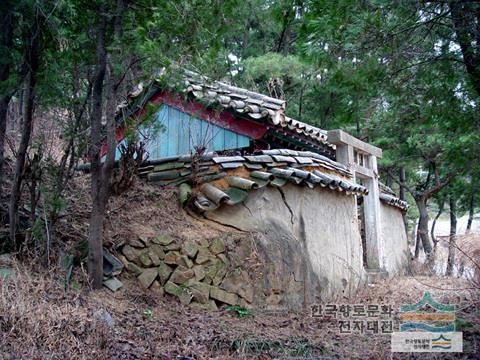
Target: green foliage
462, 324
148, 314
392, 74
145, 125
262, 68
294, 74
54, 204
239, 311
75, 285
38, 230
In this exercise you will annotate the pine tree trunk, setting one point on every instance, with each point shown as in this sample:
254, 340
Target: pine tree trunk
471, 210
418, 244
402, 179
4, 101
101, 172
466, 33
453, 233
32, 63
422, 229
95, 237
439, 213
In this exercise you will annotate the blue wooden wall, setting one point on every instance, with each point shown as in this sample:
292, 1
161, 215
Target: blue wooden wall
179, 133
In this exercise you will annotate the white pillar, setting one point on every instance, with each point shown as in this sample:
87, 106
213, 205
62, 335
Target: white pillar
346, 145
344, 154
375, 248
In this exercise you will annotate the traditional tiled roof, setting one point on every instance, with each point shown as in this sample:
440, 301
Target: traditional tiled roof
388, 196
228, 179
250, 104
243, 101
394, 201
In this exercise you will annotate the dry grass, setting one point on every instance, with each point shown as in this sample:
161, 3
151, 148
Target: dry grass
469, 254
467, 257
40, 320
143, 210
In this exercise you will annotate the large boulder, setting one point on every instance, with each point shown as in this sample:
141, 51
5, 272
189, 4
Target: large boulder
171, 257
217, 246
145, 259
162, 239
132, 267
136, 243
200, 292
158, 250
183, 260
238, 282
130, 253
203, 256
199, 272
157, 288
153, 257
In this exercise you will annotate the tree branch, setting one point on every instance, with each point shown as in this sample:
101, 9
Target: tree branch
440, 185
401, 183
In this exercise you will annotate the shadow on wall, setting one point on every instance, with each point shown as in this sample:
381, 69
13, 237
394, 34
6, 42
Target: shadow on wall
288, 278
397, 253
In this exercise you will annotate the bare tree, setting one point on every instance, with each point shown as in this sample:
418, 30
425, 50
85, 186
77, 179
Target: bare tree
101, 171
6, 42
453, 233
30, 66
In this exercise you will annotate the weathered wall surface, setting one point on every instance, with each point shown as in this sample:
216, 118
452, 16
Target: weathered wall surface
308, 240
397, 254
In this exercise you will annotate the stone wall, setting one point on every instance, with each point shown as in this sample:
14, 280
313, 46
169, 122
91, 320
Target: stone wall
203, 274
308, 240
397, 253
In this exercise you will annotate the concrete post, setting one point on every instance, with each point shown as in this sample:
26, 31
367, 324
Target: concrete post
346, 145
371, 205
344, 154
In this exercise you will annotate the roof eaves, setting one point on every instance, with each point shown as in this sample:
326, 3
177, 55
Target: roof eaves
272, 168
247, 103
393, 201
